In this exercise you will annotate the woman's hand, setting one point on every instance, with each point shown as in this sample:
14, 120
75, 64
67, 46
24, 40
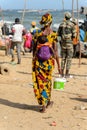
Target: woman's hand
33, 58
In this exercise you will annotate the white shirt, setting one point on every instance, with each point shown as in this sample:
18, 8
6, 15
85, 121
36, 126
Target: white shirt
17, 29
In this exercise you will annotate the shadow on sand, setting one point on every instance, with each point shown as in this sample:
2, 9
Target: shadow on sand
80, 99
19, 105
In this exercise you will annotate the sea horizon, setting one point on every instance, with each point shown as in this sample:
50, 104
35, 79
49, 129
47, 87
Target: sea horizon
29, 15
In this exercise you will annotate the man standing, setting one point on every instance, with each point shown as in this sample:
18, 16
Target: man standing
18, 30
67, 32
5, 29
33, 28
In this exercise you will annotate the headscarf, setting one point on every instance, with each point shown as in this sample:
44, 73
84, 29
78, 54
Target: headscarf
33, 23
46, 19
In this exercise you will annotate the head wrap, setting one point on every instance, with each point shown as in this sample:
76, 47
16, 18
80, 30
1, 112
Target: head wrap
33, 23
46, 19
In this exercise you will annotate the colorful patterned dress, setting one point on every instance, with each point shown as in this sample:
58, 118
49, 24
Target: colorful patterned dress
42, 75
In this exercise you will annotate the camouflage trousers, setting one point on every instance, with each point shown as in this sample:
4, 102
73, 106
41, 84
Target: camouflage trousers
66, 57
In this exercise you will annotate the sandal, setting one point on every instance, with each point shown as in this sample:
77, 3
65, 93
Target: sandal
49, 104
43, 109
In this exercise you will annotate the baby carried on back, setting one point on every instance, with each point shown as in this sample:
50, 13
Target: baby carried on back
44, 48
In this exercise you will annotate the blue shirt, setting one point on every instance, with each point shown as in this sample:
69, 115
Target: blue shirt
82, 35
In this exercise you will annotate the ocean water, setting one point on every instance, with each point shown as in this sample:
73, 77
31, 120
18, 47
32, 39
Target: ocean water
10, 15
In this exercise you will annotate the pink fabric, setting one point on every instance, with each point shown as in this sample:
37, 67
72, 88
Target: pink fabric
3, 42
28, 40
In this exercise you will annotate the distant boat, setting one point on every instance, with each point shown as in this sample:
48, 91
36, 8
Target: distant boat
21, 11
40, 11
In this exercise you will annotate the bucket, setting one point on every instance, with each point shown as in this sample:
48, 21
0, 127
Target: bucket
59, 83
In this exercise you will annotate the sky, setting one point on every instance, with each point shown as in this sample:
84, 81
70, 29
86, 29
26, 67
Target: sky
41, 4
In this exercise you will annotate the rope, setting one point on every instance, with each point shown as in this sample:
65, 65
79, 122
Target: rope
24, 11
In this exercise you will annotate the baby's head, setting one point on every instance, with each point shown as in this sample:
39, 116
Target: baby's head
42, 39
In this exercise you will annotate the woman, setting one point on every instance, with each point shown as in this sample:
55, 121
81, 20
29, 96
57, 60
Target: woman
27, 41
42, 70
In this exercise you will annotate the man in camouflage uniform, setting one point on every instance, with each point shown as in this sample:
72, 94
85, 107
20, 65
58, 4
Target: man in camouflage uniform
67, 32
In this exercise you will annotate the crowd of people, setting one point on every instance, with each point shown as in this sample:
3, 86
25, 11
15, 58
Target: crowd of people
18, 38
43, 44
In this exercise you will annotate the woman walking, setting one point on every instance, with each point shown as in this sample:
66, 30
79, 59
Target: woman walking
42, 70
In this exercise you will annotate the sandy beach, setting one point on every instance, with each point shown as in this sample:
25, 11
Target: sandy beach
19, 107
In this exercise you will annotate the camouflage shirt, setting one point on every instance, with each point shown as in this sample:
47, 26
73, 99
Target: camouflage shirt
67, 31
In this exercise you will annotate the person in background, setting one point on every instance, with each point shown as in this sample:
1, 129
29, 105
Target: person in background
76, 39
42, 70
5, 37
1, 24
5, 29
18, 30
33, 28
81, 46
22, 47
85, 41
67, 32
82, 33
27, 41
85, 23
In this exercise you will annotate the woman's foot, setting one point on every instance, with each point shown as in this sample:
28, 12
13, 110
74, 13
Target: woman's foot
43, 109
49, 104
